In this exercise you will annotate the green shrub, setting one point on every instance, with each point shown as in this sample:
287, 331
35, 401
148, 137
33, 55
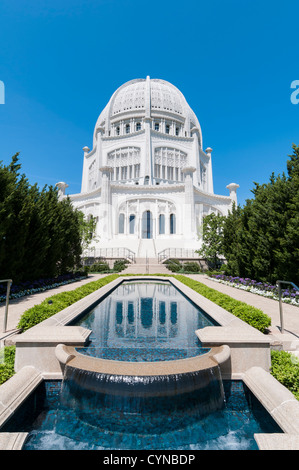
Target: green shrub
120, 265
7, 361
191, 267
285, 368
174, 265
58, 302
100, 267
251, 315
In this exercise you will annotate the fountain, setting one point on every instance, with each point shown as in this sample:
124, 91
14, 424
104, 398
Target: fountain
139, 396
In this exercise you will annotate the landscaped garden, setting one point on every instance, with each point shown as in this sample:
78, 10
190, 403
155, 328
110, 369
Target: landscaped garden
285, 367
260, 243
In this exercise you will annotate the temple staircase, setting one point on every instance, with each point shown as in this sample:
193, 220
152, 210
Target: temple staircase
146, 261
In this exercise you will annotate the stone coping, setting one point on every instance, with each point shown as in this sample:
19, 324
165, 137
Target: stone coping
12, 440
16, 390
70, 356
230, 335
280, 403
54, 334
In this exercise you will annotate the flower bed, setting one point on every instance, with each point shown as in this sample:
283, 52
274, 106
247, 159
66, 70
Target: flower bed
40, 285
290, 295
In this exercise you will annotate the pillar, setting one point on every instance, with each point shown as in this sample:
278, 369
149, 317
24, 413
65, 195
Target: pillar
189, 212
105, 217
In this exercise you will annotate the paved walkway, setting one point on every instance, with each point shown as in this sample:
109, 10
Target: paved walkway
268, 306
18, 306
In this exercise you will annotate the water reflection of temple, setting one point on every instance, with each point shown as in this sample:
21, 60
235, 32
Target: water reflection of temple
145, 314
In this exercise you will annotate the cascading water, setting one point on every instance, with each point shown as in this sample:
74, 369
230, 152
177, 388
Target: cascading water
139, 405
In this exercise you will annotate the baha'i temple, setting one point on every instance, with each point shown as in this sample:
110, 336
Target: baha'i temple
147, 180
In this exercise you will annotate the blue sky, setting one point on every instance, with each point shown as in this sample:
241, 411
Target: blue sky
234, 61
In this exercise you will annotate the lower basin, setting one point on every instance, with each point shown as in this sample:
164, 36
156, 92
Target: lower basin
54, 426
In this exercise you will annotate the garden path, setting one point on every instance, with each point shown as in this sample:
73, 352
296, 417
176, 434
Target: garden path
18, 306
268, 306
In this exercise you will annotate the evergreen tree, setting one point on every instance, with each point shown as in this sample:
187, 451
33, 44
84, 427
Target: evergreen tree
261, 240
39, 235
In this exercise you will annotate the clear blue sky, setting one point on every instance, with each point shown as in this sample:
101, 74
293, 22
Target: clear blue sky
234, 61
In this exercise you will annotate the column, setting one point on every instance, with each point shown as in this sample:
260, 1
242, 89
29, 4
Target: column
210, 188
189, 216
232, 187
105, 218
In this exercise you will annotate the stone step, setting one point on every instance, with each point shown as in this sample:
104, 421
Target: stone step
141, 268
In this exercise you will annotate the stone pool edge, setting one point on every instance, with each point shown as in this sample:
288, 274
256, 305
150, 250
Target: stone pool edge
232, 332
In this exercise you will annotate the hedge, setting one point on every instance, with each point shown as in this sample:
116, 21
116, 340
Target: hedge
7, 361
285, 368
251, 315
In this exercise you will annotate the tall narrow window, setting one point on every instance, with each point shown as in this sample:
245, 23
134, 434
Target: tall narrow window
167, 128
121, 223
162, 224
132, 224
117, 130
157, 126
177, 131
127, 128
172, 224
138, 126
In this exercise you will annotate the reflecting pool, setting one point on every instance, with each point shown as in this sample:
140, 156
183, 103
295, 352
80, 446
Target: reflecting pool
145, 321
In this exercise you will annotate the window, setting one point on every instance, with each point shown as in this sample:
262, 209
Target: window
146, 180
177, 131
161, 224
170, 173
138, 126
132, 224
157, 170
121, 223
157, 126
136, 170
123, 172
167, 128
172, 224
127, 128
117, 130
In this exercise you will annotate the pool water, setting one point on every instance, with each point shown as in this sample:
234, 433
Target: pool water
54, 424
145, 321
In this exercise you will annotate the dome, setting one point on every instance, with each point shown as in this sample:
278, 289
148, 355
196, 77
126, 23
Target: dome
146, 98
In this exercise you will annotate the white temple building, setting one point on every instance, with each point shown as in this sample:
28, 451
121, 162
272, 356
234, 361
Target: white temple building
147, 180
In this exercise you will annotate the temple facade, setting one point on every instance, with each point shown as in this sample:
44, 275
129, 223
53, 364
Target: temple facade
147, 180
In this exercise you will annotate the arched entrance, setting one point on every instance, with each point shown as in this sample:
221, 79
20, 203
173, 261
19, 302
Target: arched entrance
147, 225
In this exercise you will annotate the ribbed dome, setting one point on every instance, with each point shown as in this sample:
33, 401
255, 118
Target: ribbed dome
146, 97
